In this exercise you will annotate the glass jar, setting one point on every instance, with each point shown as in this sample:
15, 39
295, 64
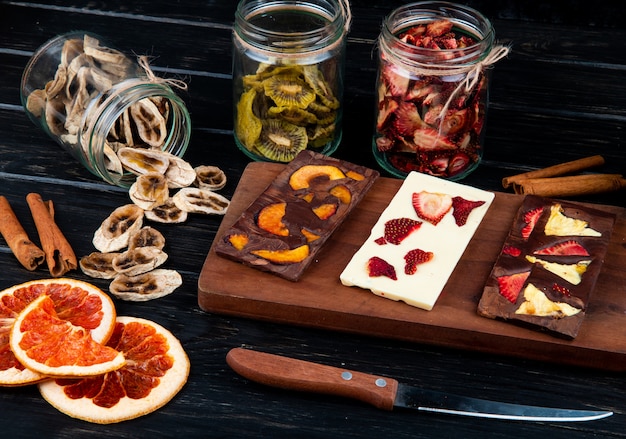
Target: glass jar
93, 100
433, 89
288, 63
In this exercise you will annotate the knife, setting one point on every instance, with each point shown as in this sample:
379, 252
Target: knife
385, 393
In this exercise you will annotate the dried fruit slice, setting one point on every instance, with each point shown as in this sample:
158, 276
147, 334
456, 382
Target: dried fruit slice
281, 141
428, 139
179, 173
288, 91
114, 232
79, 302
210, 177
564, 248
342, 193
377, 267
511, 285
414, 258
147, 286
142, 161
398, 229
146, 237
432, 206
98, 265
157, 368
139, 260
270, 219
570, 272
45, 343
284, 256
196, 200
560, 225
168, 213
530, 220
149, 190
461, 209
538, 304
248, 126
303, 176
238, 240
325, 211
150, 123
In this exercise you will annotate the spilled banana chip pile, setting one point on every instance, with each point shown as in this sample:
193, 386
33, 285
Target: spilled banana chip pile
167, 189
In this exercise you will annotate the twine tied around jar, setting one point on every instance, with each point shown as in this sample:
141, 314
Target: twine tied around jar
472, 73
145, 65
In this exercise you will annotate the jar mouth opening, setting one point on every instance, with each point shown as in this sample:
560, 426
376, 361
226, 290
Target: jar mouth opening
325, 24
471, 22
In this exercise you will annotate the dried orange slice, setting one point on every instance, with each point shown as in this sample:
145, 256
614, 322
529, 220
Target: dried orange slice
81, 303
51, 346
157, 367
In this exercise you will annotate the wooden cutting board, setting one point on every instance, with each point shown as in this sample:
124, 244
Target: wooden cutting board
320, 300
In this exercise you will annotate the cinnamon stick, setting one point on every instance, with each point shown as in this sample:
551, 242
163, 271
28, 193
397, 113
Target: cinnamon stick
570, 186
556, 170
59, 254
26, 252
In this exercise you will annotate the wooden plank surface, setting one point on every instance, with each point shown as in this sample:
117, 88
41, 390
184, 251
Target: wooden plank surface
320, 300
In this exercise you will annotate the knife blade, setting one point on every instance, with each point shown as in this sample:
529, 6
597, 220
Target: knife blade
383, 392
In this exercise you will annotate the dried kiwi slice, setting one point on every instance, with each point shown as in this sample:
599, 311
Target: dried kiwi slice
288, 91
281, 141
294, 115
315, 79
249, 126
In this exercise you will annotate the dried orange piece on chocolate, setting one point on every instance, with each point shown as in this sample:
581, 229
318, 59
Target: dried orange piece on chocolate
342, 193
270, 219
325, 211
238, 240
355, 175
310, 236
284, 256
302, 177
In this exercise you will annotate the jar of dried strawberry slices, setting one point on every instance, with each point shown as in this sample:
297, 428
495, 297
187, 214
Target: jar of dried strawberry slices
96, 101
288, 63
432, 89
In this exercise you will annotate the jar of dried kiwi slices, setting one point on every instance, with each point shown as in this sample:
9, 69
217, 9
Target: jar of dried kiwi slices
288, 63
95, 102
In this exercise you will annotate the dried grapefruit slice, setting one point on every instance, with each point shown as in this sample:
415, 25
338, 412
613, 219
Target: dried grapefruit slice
157, 367
80, 302
49, 345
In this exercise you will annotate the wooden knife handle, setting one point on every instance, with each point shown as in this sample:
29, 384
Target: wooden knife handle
292, 374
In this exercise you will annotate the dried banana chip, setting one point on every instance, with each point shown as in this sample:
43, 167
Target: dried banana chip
102, 54
146, 237
167, 213
152, 285
150, 123
210, 177
139, 260
115, 231
149, 191
143, 161
196, 200
111, 160
179, 173
99, 265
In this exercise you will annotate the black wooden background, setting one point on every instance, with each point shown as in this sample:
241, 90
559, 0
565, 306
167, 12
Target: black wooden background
560, 95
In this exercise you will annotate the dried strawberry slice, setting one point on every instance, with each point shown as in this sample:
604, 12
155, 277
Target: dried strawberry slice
530, 219
397, 84
564, 248
397, 229
462, 209
431, 206
511, 251
377, 267
428, 139
511, 285
407, 119
414, 258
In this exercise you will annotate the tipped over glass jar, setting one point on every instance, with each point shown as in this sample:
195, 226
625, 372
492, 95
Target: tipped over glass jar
95, 101
288, 61
433, 89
